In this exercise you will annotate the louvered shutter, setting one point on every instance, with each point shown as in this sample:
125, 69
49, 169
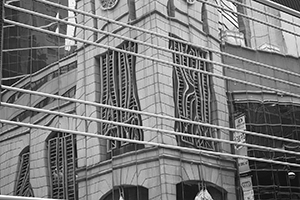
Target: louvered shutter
69, 167
23, 187
55, 155
62, 159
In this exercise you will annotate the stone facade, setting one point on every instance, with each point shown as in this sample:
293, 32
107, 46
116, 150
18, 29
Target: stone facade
157, 169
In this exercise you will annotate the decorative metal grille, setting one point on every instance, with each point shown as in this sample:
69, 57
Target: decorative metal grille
23, 186
192, 95
118, 88
61, 155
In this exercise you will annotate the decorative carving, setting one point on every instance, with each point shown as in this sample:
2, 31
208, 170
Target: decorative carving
191, 95
190, 1
118, 88
108, 4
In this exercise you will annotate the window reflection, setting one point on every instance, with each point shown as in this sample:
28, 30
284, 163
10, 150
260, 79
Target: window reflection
27, 51
35, 85
23, 186
43, 103
271, 181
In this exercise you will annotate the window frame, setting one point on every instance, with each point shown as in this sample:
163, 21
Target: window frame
61, 167
22, 184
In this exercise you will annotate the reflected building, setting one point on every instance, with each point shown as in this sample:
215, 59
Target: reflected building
267, 112
26, 51
295, 5
269, 40
258, 30
269, 37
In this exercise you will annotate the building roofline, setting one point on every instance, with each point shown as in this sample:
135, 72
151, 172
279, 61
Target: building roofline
280, 7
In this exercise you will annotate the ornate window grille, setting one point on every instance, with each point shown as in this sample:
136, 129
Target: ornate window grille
62, 163
118, 88
192, 95
23, 186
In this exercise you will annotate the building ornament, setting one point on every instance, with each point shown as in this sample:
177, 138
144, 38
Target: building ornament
108, 4
190, 1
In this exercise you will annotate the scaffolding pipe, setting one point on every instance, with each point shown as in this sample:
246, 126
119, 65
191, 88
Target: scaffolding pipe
148, 114
10, 197
61, 114
167, 146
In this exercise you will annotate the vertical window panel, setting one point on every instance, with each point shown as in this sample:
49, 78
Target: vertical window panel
192, 95
62, 159
118, 88
23, 186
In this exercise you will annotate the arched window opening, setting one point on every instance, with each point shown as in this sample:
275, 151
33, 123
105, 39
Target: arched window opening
23, 186
127, 193
62, 157
188, 190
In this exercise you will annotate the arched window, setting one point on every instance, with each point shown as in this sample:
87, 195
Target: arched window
61, 165
188, 190
23, 186
127, 193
